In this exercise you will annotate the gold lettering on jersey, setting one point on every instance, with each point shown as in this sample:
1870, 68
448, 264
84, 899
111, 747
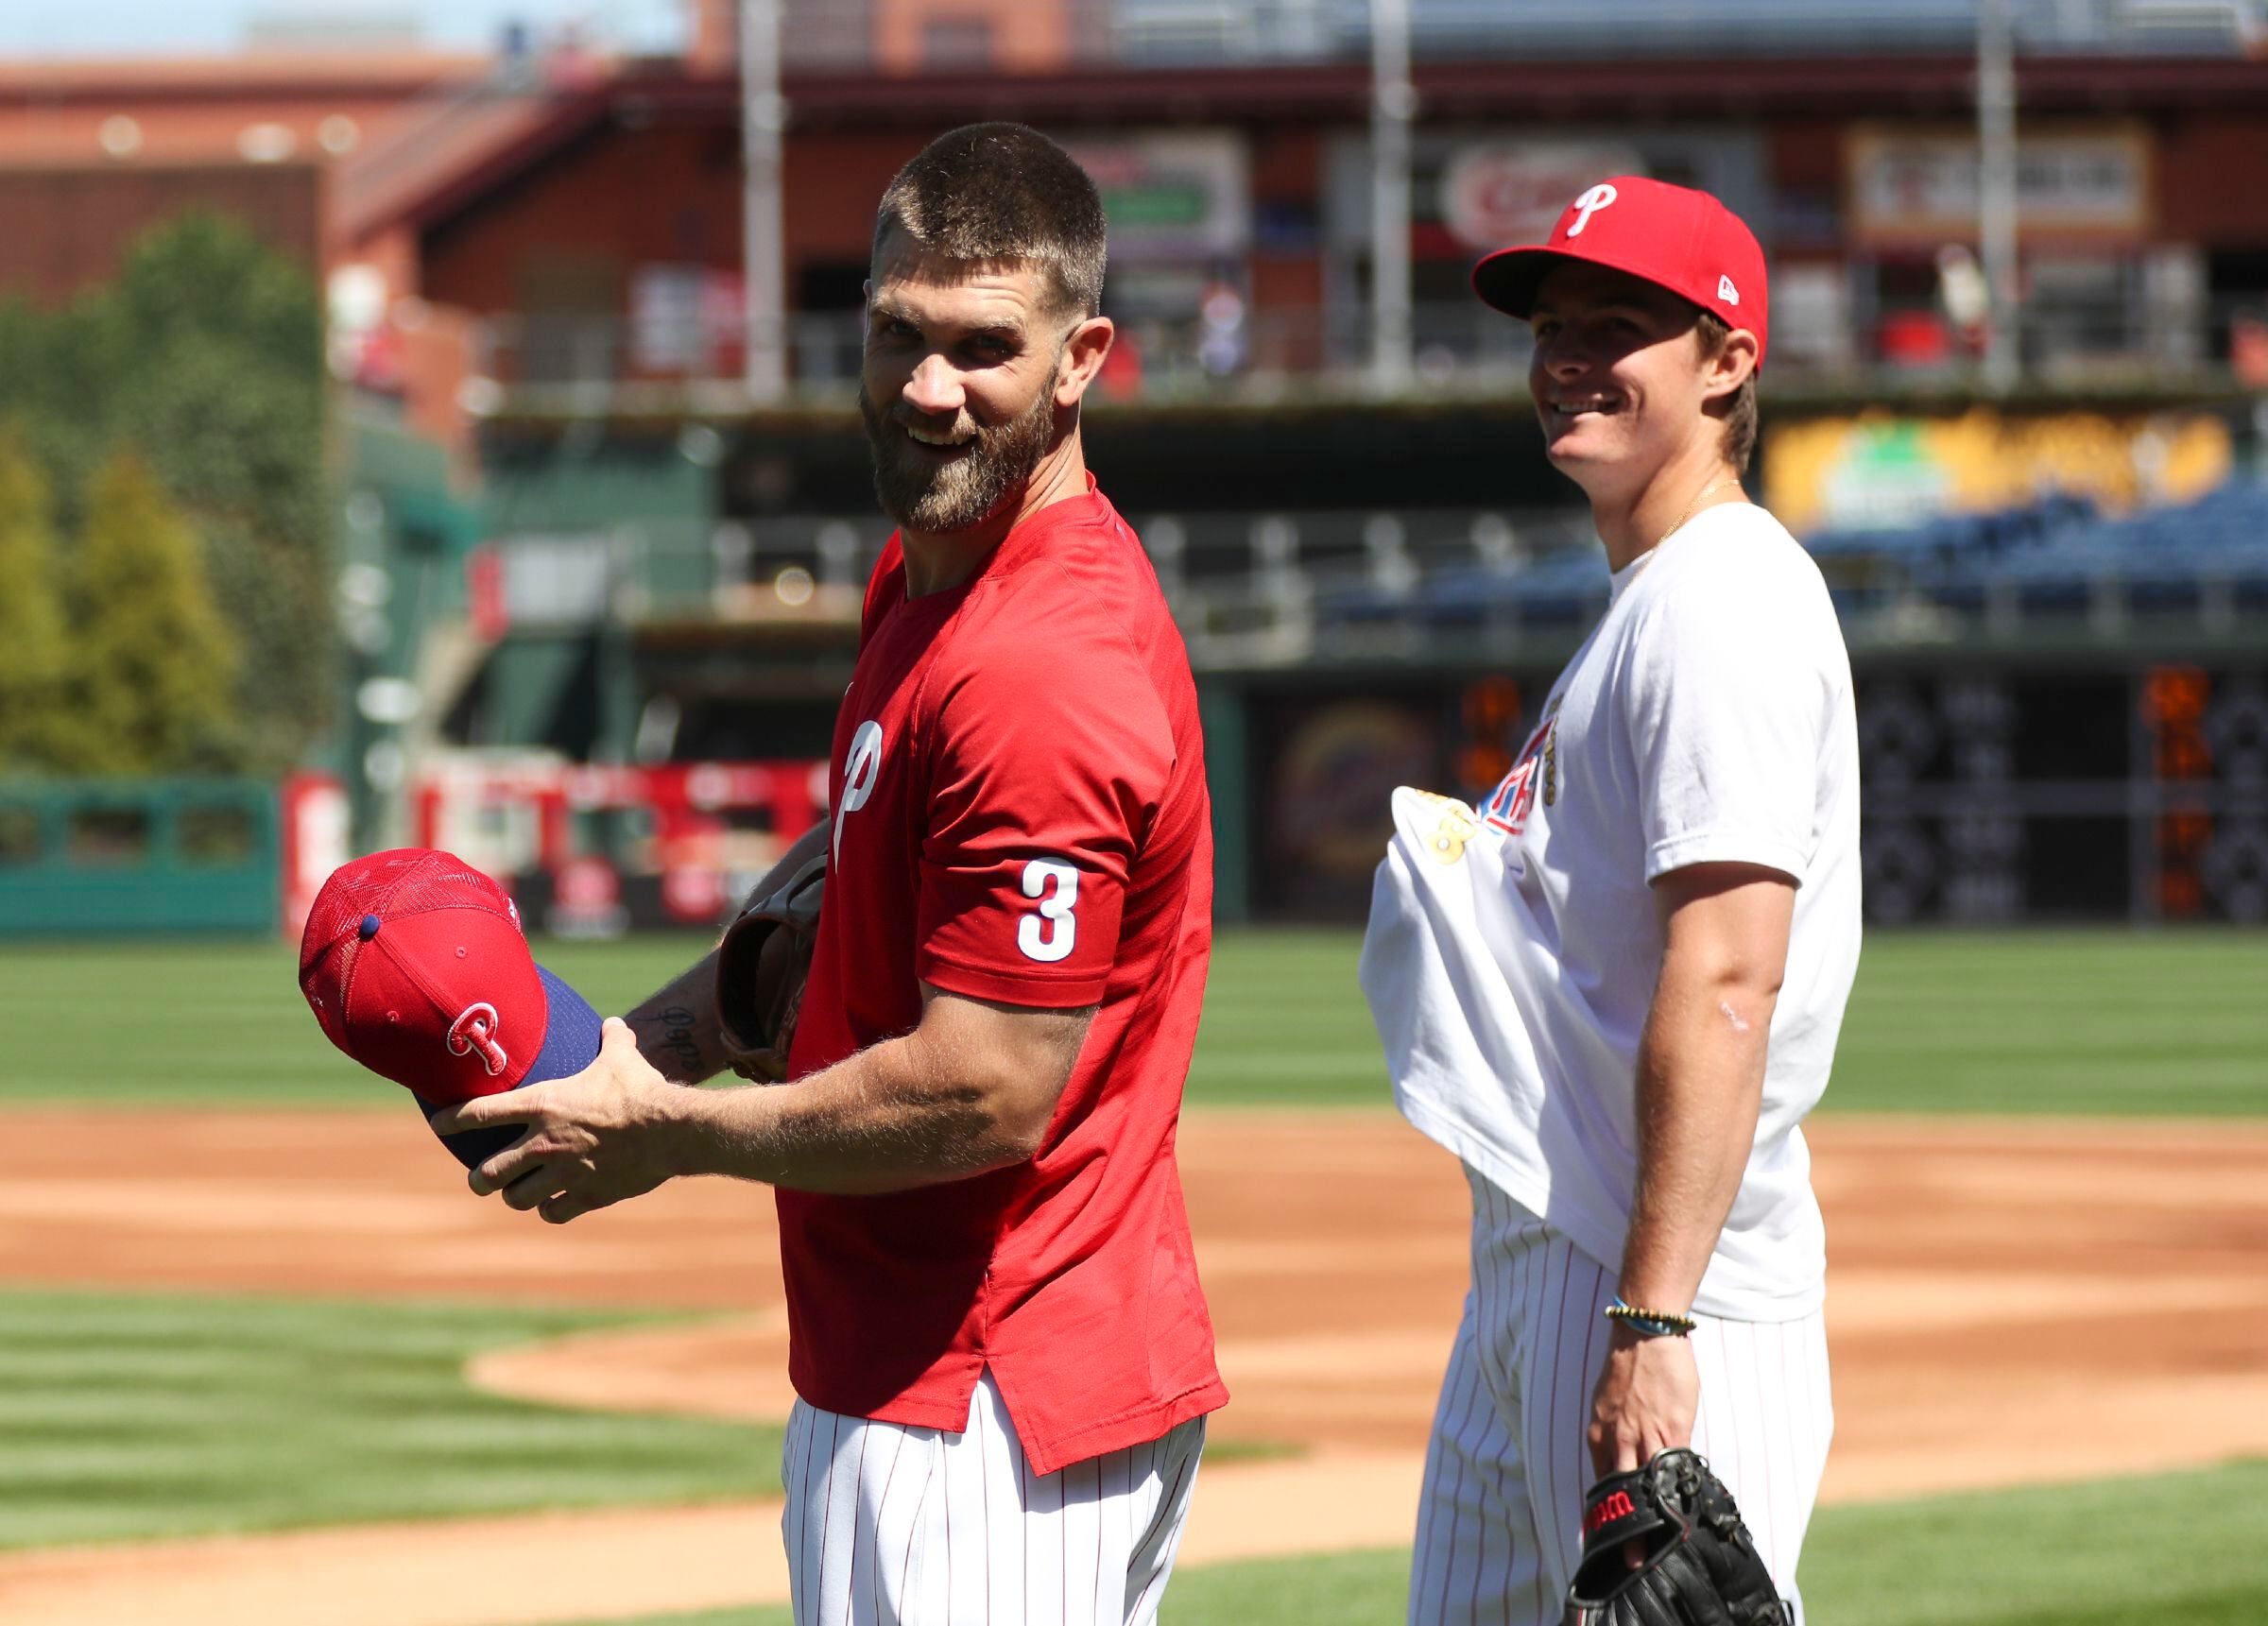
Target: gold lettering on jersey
1535, 773
1550, 751
1457, 824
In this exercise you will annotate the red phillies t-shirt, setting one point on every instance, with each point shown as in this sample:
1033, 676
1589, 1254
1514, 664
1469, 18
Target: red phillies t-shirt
1020, 816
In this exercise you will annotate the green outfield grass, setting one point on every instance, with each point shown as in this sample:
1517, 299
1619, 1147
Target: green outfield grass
152, 1415
2095, 1021
2121, 1552
174, 1414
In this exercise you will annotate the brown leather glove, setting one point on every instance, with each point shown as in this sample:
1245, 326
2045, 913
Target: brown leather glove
760, 966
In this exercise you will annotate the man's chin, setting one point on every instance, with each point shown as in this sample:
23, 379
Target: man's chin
937, 514
955, 523
1582, 446
908, 483
906, 487
1567, 450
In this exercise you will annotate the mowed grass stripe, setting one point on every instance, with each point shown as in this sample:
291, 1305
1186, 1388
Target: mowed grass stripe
223, 1023
2118, 1552
2086, 1022
2044, 1021
175, 1414
2115, 1552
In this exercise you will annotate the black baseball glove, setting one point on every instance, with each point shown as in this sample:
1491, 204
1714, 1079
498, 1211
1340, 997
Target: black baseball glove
1698, 1569
760, 966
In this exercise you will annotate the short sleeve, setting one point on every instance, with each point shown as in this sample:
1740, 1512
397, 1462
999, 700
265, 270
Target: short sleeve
1727, 699
1050, 753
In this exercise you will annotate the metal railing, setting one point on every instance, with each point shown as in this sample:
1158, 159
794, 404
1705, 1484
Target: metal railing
1431, 584
1460, 347
1054, 35
1225, 574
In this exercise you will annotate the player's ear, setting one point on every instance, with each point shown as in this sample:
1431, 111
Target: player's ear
1733, 365
1084, 349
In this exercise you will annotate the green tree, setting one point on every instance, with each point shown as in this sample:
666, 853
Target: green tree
206, 352
33, 644
241, 449
216, 342
153, 664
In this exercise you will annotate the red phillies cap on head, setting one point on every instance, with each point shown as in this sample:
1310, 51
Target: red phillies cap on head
1672, 236
414, 963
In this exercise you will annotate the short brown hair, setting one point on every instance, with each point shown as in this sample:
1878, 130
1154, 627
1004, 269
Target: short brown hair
993, 193
1739, 444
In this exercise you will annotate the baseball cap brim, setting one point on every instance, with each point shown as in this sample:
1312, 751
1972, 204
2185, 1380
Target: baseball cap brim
572, 1032
1508, 279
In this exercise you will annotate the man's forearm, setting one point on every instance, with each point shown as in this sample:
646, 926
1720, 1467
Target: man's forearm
1700, 1081
677, 1028
890, 1119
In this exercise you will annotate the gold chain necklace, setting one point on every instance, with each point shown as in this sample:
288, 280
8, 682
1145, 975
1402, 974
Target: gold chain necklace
1695, 506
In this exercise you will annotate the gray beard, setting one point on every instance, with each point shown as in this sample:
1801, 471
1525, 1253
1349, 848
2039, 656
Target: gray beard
956, 495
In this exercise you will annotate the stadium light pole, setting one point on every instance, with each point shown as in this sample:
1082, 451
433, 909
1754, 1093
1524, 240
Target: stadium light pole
1393, 105
1997, 192
763, 271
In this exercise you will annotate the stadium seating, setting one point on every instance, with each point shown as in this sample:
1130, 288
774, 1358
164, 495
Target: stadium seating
1388, 580
2168, 558
2058, 556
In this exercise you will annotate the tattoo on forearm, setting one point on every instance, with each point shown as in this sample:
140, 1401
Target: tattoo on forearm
670, 1030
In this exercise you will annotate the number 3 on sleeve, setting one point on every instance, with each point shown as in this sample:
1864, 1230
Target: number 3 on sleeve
1048, 936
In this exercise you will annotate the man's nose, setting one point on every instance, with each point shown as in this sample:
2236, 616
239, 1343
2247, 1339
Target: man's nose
934, 386
1561, 360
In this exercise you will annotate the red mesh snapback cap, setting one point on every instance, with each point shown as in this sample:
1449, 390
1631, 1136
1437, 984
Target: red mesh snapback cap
1672, 236
414, 963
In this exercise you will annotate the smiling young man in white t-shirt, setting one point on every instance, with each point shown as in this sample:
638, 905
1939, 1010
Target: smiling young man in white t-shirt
1613, 988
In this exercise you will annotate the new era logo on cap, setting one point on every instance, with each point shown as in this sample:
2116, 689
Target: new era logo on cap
1672, 236
414, 963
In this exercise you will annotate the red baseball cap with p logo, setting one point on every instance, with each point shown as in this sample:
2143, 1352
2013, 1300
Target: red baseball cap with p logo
415, 966
1672, 236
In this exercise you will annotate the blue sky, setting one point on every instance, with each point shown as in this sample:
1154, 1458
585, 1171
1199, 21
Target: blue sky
148, 28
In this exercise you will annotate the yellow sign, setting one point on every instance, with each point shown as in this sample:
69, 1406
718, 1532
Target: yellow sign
1881, 470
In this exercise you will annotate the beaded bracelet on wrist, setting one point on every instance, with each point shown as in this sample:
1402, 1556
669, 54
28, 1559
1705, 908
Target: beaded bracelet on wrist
1650, 1323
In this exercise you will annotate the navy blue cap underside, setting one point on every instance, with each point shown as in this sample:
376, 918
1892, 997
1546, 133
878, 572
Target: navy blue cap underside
571, 1039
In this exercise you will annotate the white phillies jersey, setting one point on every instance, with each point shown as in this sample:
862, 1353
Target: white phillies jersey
1513, 949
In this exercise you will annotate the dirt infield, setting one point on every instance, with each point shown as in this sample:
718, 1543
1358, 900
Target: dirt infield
2008, 1300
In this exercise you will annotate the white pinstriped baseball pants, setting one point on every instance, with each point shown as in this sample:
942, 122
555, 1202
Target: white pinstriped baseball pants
892, 1525
1499, 1518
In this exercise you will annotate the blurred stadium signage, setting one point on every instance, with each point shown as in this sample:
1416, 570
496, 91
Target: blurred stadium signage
595, 850
1336, 760
1496, 192
666, 331
1909, 186
550, 581
586, 900
685, 319
1171, 196
315, 818
1876, 470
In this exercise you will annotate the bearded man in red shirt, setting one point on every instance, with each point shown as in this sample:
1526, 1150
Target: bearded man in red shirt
1003, 1358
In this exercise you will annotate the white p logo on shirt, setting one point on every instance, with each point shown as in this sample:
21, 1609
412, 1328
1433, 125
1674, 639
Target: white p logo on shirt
1590, 204
860, 770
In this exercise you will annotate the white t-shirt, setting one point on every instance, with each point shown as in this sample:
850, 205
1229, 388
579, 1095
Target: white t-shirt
1513, 949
